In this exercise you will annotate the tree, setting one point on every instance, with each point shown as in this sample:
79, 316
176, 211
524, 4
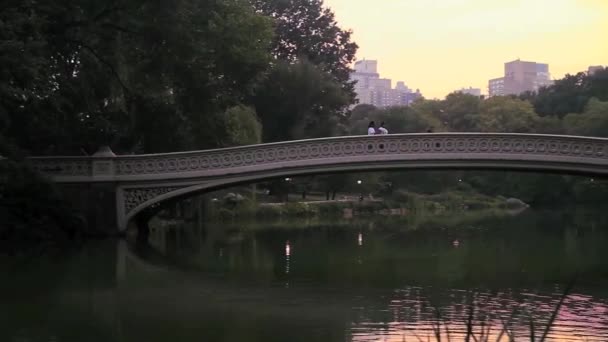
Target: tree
242, 126
461, 112
306, 30
571, 94
506, 114
141, 76
203, 58
362, 112
298, 100
396, 119
548, 125
592, 122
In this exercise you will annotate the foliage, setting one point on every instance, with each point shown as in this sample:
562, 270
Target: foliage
298, 100
144, 77
242, 126
505, 114
31, 207
570, 94
461, 112
396, 119
305, 30
548, 125
592, 122
166, 76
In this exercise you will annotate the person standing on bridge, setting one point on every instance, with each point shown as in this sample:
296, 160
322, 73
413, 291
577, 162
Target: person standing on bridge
382, 130
371, 128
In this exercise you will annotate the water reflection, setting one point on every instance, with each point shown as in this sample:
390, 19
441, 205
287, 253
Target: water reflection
287, 255
202, 282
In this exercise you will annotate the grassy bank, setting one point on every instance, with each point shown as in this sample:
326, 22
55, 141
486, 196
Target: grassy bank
401, 203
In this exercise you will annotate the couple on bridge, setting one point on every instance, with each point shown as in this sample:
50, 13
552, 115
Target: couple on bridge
372, 130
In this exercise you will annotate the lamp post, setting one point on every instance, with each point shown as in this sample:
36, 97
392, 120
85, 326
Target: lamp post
359, 182
288, 181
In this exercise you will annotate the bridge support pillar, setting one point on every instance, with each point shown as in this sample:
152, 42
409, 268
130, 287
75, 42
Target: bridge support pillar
97, 201
97, 204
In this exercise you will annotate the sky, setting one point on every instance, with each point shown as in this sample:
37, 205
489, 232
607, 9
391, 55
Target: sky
440, 46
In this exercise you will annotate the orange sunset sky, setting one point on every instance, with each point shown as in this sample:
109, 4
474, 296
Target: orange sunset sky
442, 45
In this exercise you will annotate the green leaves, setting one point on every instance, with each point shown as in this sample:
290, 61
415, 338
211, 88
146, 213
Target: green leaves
242, 126
141, 76
506, 114
592, 122
397, 119
298, 100
571, 94
305, 30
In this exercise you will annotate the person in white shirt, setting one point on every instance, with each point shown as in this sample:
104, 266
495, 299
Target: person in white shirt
371, 128
382, 130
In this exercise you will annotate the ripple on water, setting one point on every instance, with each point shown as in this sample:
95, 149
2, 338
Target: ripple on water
411, 317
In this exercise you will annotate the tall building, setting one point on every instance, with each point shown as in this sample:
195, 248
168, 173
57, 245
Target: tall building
371, 89
594, 68
519, 77
496, 87
470, 91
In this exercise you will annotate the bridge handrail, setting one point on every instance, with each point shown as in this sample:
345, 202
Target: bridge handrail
448, 143
336, 138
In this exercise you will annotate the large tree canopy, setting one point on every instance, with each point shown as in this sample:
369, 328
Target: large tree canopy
143, 76
297, 100
168, 75
396, 119
506, 114
304, 29
592, 122
570, 94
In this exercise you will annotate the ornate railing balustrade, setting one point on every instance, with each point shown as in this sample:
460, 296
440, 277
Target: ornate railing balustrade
438, 146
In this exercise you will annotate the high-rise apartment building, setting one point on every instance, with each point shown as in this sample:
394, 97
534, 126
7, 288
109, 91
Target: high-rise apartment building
594, 68
519, 77
470, 91
496, 87
371, 89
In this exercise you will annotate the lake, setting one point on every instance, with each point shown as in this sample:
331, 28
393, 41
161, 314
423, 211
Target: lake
371, 278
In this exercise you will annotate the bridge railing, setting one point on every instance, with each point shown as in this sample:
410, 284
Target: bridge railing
434, 146
63, 166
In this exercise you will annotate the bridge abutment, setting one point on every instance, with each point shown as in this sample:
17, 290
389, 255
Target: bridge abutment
96, 201
97, 204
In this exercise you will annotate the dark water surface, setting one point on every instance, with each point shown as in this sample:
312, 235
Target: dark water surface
360, 280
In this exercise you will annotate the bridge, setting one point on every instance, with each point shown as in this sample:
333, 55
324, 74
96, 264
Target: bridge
114, 189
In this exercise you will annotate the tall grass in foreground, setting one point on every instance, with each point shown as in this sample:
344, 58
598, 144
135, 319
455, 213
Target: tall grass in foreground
483, 331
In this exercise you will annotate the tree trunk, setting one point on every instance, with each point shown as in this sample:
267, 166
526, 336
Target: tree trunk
333, 196
327, 195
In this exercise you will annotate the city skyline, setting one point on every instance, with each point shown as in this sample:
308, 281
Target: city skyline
441, 45
372, 89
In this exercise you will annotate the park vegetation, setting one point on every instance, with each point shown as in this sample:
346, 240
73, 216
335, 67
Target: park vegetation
151, 77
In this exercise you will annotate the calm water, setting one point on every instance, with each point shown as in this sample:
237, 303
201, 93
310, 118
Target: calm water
358, 280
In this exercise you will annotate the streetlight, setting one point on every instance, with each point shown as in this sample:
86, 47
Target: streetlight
288, 180
359, 182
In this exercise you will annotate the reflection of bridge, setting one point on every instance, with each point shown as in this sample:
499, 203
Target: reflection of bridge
125, 185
